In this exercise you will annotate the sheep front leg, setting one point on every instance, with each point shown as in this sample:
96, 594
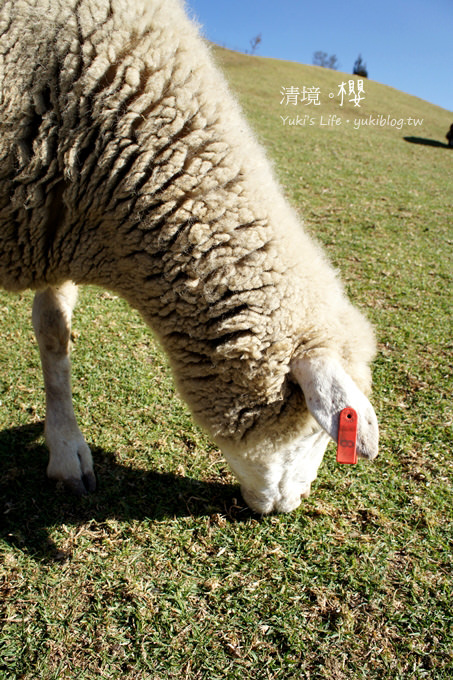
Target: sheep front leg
70, 457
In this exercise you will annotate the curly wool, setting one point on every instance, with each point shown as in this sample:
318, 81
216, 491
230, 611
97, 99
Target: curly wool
125, 162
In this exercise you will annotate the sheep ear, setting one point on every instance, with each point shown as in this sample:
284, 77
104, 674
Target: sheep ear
328, 389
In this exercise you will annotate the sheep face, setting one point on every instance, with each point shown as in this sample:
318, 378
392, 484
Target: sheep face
275, 479
278, 483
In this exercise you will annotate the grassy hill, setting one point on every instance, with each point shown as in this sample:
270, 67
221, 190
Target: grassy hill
163, 573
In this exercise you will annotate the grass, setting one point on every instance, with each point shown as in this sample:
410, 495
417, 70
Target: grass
164, 573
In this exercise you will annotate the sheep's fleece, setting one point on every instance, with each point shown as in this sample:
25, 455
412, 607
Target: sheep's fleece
125, 162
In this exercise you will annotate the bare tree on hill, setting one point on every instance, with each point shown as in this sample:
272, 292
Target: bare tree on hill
254, 42
323, 59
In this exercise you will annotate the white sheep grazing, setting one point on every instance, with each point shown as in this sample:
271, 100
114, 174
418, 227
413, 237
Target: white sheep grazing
124, 162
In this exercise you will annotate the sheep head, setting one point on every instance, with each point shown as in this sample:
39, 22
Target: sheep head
279, 479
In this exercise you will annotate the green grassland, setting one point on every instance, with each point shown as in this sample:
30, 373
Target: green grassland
164, 573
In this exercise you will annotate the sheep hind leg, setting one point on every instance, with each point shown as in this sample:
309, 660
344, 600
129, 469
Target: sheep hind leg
70, 458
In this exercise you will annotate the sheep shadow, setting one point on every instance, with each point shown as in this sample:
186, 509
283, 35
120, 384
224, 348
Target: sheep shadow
31, 504
427, 142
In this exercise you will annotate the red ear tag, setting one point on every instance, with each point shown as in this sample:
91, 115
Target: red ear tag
347, 437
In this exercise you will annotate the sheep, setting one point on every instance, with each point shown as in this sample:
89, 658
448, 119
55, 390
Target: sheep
126, 163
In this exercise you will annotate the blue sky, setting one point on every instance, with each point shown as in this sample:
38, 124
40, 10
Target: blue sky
408, 45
